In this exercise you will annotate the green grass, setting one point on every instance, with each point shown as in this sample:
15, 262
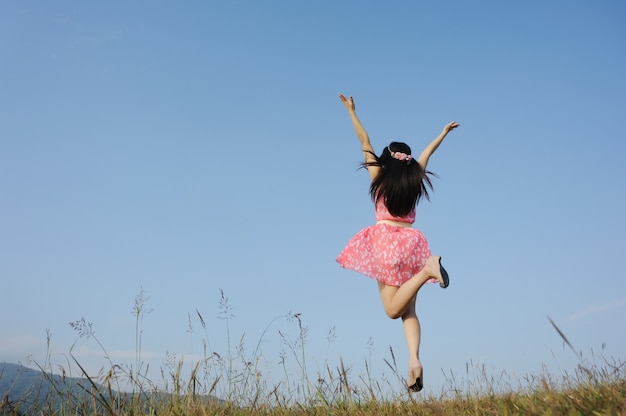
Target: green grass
234, 383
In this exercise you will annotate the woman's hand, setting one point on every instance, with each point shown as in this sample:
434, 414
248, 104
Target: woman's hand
349, 103
450, 126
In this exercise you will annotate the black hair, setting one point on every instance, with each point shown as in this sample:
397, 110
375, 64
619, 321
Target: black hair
401, 184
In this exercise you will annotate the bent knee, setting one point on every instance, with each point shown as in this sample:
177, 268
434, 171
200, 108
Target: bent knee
394, 314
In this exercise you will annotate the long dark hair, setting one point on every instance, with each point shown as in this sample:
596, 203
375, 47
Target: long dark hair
401, 184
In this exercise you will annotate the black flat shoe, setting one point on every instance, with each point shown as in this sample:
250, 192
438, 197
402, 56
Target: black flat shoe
416, 375
444, 275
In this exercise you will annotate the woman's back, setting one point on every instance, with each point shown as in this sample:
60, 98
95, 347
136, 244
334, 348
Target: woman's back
382, 213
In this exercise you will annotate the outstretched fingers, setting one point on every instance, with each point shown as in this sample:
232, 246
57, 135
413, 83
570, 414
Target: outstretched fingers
451, 126
348, 102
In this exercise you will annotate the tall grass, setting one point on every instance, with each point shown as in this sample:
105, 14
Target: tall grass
237, 382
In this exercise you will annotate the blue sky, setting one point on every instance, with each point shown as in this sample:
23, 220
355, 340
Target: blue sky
189, 149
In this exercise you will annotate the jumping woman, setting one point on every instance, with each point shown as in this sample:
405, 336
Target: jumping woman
391, 251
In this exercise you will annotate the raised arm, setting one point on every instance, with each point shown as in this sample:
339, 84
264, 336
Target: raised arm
430, 149
366, 146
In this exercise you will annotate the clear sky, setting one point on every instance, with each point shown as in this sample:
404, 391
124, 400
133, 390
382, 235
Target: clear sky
189, 148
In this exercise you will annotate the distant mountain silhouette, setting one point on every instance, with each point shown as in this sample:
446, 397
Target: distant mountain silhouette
27, 391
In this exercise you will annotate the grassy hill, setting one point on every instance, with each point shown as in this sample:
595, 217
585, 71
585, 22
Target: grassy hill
591, 391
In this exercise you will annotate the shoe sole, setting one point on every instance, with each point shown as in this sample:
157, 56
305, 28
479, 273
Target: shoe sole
444, 275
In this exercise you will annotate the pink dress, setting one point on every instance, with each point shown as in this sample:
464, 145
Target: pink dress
385, 252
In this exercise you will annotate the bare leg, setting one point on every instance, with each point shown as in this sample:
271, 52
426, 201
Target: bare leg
400, 302
412, 334
396, 299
